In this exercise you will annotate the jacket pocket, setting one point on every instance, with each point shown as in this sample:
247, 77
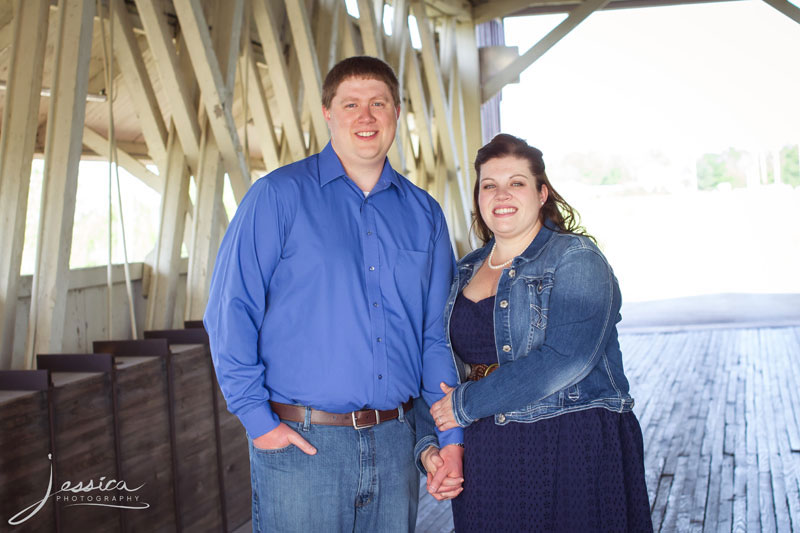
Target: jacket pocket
538, 294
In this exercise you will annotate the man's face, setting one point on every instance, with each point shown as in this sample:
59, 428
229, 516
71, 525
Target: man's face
362, 118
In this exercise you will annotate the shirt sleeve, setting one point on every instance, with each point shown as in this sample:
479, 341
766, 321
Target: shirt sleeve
237, 303
437, 361
584, 306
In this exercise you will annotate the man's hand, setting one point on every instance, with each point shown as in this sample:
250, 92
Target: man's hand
445, 471
283, 436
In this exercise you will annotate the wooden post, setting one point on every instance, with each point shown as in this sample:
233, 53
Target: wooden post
163, 291
210, 214
422, 121
257, 100
62, 155
215, 74
442, 115
469, 76
176, 87
307, 58
279, 75
371, 30
17, 141
137, 80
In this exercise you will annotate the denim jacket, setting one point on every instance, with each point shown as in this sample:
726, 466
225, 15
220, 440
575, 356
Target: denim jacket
555, 332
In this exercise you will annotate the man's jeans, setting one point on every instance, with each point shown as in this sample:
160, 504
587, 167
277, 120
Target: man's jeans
359, 480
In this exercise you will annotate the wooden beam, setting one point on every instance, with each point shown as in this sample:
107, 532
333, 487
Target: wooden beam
442, 112
326, 33
175, 86
99, 144
279, 76
162, 295
59, 186
512, 71
422, 119
209, 215
469, 75
215, 75
17, 141
497, 9
397, 42
447, 52
350, 45
371, 30
307, 58
787, 8
137, 80
256, 98
460, 9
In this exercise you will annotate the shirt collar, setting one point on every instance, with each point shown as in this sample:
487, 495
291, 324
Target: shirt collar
330, 168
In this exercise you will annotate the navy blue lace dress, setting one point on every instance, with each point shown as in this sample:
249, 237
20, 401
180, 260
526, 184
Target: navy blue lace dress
578, 472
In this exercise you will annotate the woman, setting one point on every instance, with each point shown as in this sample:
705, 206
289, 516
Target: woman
551, 443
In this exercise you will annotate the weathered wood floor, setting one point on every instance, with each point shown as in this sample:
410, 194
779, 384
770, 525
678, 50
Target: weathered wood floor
720, 412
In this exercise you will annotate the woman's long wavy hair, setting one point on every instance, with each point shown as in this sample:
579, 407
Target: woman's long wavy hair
565, 218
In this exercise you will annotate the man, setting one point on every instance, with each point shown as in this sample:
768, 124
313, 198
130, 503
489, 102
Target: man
325, 319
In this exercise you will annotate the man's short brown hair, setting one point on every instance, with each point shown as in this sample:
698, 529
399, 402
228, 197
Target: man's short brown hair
362, 67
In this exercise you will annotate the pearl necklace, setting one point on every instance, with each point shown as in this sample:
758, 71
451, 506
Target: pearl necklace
497, 267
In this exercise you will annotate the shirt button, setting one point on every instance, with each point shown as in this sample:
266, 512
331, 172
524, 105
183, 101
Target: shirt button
501, 418
369, 233
374, 304
512, 273
506, 348
372, 268
380, 376
503, 304
380, 339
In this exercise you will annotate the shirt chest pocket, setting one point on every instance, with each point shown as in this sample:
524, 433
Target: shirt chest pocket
410, 275
532, 293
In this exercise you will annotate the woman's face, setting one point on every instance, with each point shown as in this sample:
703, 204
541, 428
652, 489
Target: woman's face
508, 198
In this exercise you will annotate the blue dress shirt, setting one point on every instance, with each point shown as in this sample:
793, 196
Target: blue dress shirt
325, 297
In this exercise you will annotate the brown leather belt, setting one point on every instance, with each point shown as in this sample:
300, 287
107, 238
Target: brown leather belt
481, 371
365, 418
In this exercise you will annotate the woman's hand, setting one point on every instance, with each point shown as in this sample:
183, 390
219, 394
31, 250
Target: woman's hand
442, 411
445, 471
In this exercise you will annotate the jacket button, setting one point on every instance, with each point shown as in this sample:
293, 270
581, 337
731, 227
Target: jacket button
506, 348
512, 273
503, 304
501, 418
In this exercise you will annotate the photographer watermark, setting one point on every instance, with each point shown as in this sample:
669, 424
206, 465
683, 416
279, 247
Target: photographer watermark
72, 494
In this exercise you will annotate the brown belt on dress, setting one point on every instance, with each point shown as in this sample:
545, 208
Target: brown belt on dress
358, 419
481, 371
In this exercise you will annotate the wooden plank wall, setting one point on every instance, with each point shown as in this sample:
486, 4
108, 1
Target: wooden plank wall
193, 477
720, 413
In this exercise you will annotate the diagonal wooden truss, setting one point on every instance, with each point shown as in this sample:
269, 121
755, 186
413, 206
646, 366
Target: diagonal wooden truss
189, 72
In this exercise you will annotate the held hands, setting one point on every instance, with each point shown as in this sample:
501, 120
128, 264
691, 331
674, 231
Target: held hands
442, 411
445, 471
281, 437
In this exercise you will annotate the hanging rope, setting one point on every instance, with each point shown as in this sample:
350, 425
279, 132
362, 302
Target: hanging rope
108, 65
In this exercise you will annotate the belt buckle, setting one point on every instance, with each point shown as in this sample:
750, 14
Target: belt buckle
356, 426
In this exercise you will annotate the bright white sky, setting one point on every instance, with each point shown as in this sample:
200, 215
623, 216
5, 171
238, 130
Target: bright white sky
685, 78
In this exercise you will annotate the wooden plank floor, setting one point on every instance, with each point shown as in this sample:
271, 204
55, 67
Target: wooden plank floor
720, 413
